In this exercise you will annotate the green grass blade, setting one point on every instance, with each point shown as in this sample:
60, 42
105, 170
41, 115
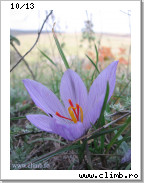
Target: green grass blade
103, 107
49, 155
97, 58
93, 75
81, 151
60, 50
102, 136
47, 57
14, 39
93, 63
16, 118
101, 120
118, 134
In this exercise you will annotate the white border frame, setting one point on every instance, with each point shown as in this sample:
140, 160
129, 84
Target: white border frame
8, 174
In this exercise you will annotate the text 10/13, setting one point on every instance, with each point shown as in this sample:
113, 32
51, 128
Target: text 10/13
27, 6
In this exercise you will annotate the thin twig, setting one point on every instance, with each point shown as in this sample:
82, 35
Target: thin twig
81, 138
90, 154
114, 121
36, 151
34, 43
28, 67
28, 133
118, 113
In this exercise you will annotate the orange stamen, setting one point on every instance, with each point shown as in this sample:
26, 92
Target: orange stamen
81, 112
77, 106
71, 104
71, 113
74, 113
62, 116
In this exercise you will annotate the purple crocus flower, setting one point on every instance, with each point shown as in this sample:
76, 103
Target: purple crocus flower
80, 108
126, 157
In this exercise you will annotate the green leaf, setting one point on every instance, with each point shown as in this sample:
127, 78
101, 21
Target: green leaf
97, 58
16, 118
47, 57
102, 136
93, 126
93, 63
60, 50
81, 151
49, 155
101, 120
14, 39
103, 107
118, 134
93, 75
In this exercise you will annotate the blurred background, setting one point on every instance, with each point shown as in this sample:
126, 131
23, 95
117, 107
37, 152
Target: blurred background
77, 31
103, 35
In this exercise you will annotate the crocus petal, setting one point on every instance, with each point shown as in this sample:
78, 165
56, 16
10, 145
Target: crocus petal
44, 98
42, 122
127, 157
68, 131
98, 90
72, 87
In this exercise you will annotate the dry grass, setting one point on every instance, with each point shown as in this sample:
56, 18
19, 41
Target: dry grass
72, 44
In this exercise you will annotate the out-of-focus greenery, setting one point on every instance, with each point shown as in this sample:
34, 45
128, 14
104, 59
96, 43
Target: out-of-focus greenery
88, 32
